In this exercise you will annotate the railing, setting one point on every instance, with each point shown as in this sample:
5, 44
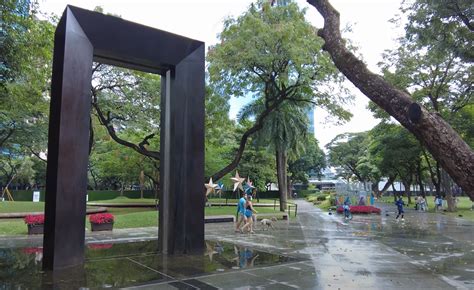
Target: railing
289, 205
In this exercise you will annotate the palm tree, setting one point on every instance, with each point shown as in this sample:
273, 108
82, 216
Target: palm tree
283, 131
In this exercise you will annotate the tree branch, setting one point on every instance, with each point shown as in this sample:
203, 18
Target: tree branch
446, 146
106, 121
243, 141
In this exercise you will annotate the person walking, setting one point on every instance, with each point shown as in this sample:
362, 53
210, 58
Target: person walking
249, 213
399, 203
241, 213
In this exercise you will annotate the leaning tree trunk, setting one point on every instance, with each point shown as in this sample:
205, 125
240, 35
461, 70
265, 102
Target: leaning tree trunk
446, 146
281, 175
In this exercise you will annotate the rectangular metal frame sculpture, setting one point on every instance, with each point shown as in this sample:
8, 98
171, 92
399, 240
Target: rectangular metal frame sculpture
82, 37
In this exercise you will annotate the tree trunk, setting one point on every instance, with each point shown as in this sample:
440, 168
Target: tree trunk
390, 181
407, 186
419, 178
446, 146
281, 175
447, 185
375, 188
394, 193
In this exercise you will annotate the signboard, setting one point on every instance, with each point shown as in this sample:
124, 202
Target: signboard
36, 196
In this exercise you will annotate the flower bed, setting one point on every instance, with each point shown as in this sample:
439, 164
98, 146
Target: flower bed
101, 218
34, 220
35, 224
100, 246
101, 222
361, 209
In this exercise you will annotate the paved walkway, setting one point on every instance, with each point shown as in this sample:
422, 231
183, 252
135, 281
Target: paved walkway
426, 251
370, 252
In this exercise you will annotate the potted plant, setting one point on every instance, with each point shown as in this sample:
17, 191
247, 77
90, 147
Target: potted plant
101, 222
35, 224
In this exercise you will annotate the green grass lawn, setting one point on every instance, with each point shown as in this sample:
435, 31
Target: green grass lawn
124, 218
21, 206
124, 199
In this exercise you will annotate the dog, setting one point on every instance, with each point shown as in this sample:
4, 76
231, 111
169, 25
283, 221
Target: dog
268, 223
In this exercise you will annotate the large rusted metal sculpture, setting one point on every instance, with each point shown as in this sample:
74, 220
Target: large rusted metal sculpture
83, 37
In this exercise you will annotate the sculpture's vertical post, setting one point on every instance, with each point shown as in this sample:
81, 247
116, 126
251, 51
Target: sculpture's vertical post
181, 225
66, 177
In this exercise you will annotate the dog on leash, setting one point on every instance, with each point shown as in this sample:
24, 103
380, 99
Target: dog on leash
268, 223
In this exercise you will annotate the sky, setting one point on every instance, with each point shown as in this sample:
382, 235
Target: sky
202, 20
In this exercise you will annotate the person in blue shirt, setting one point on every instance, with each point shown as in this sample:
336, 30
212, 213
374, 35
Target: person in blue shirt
399, 203
347, 208
241, 213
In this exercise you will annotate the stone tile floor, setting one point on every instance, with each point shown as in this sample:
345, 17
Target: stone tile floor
313, 251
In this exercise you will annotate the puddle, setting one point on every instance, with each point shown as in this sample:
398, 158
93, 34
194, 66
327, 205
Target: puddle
128, 264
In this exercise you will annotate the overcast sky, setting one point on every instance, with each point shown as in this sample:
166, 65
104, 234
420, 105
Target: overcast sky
202, 20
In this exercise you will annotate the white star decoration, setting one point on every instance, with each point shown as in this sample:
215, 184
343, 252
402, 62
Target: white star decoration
210, 187
237, 180
210, 251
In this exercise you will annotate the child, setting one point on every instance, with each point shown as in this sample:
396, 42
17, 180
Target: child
399, 203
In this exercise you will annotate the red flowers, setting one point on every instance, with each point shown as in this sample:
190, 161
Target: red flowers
100, 246
34, 219
355, 209
101, 218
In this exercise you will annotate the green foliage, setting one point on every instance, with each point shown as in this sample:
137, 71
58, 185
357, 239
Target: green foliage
25, 71
273, 50
395, 151
434, 60
445, 26
322, 197
259, 166
346, 151
312, 159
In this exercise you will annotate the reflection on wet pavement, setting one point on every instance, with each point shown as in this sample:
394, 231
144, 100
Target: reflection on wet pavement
130, 264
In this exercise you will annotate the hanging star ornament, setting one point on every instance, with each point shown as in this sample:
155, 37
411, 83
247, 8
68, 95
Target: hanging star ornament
219, 187
210, 187
249, 186
237, 180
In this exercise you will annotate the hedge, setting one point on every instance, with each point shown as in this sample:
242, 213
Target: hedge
305, 192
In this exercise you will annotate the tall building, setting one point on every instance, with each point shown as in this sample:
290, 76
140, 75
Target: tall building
310, 114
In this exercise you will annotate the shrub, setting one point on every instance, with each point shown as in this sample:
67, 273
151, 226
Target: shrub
101, 218
357, 209
321, 197
34, 219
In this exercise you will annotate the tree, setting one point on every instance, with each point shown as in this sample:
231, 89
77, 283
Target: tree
434, 69
442, 26
345, 151
312, 159
448, 148
283, 131
396, 153
273, 55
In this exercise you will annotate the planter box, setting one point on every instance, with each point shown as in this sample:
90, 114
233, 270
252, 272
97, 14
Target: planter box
102, 227
35, 229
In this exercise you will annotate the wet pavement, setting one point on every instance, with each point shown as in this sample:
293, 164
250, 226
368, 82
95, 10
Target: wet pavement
313, 251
